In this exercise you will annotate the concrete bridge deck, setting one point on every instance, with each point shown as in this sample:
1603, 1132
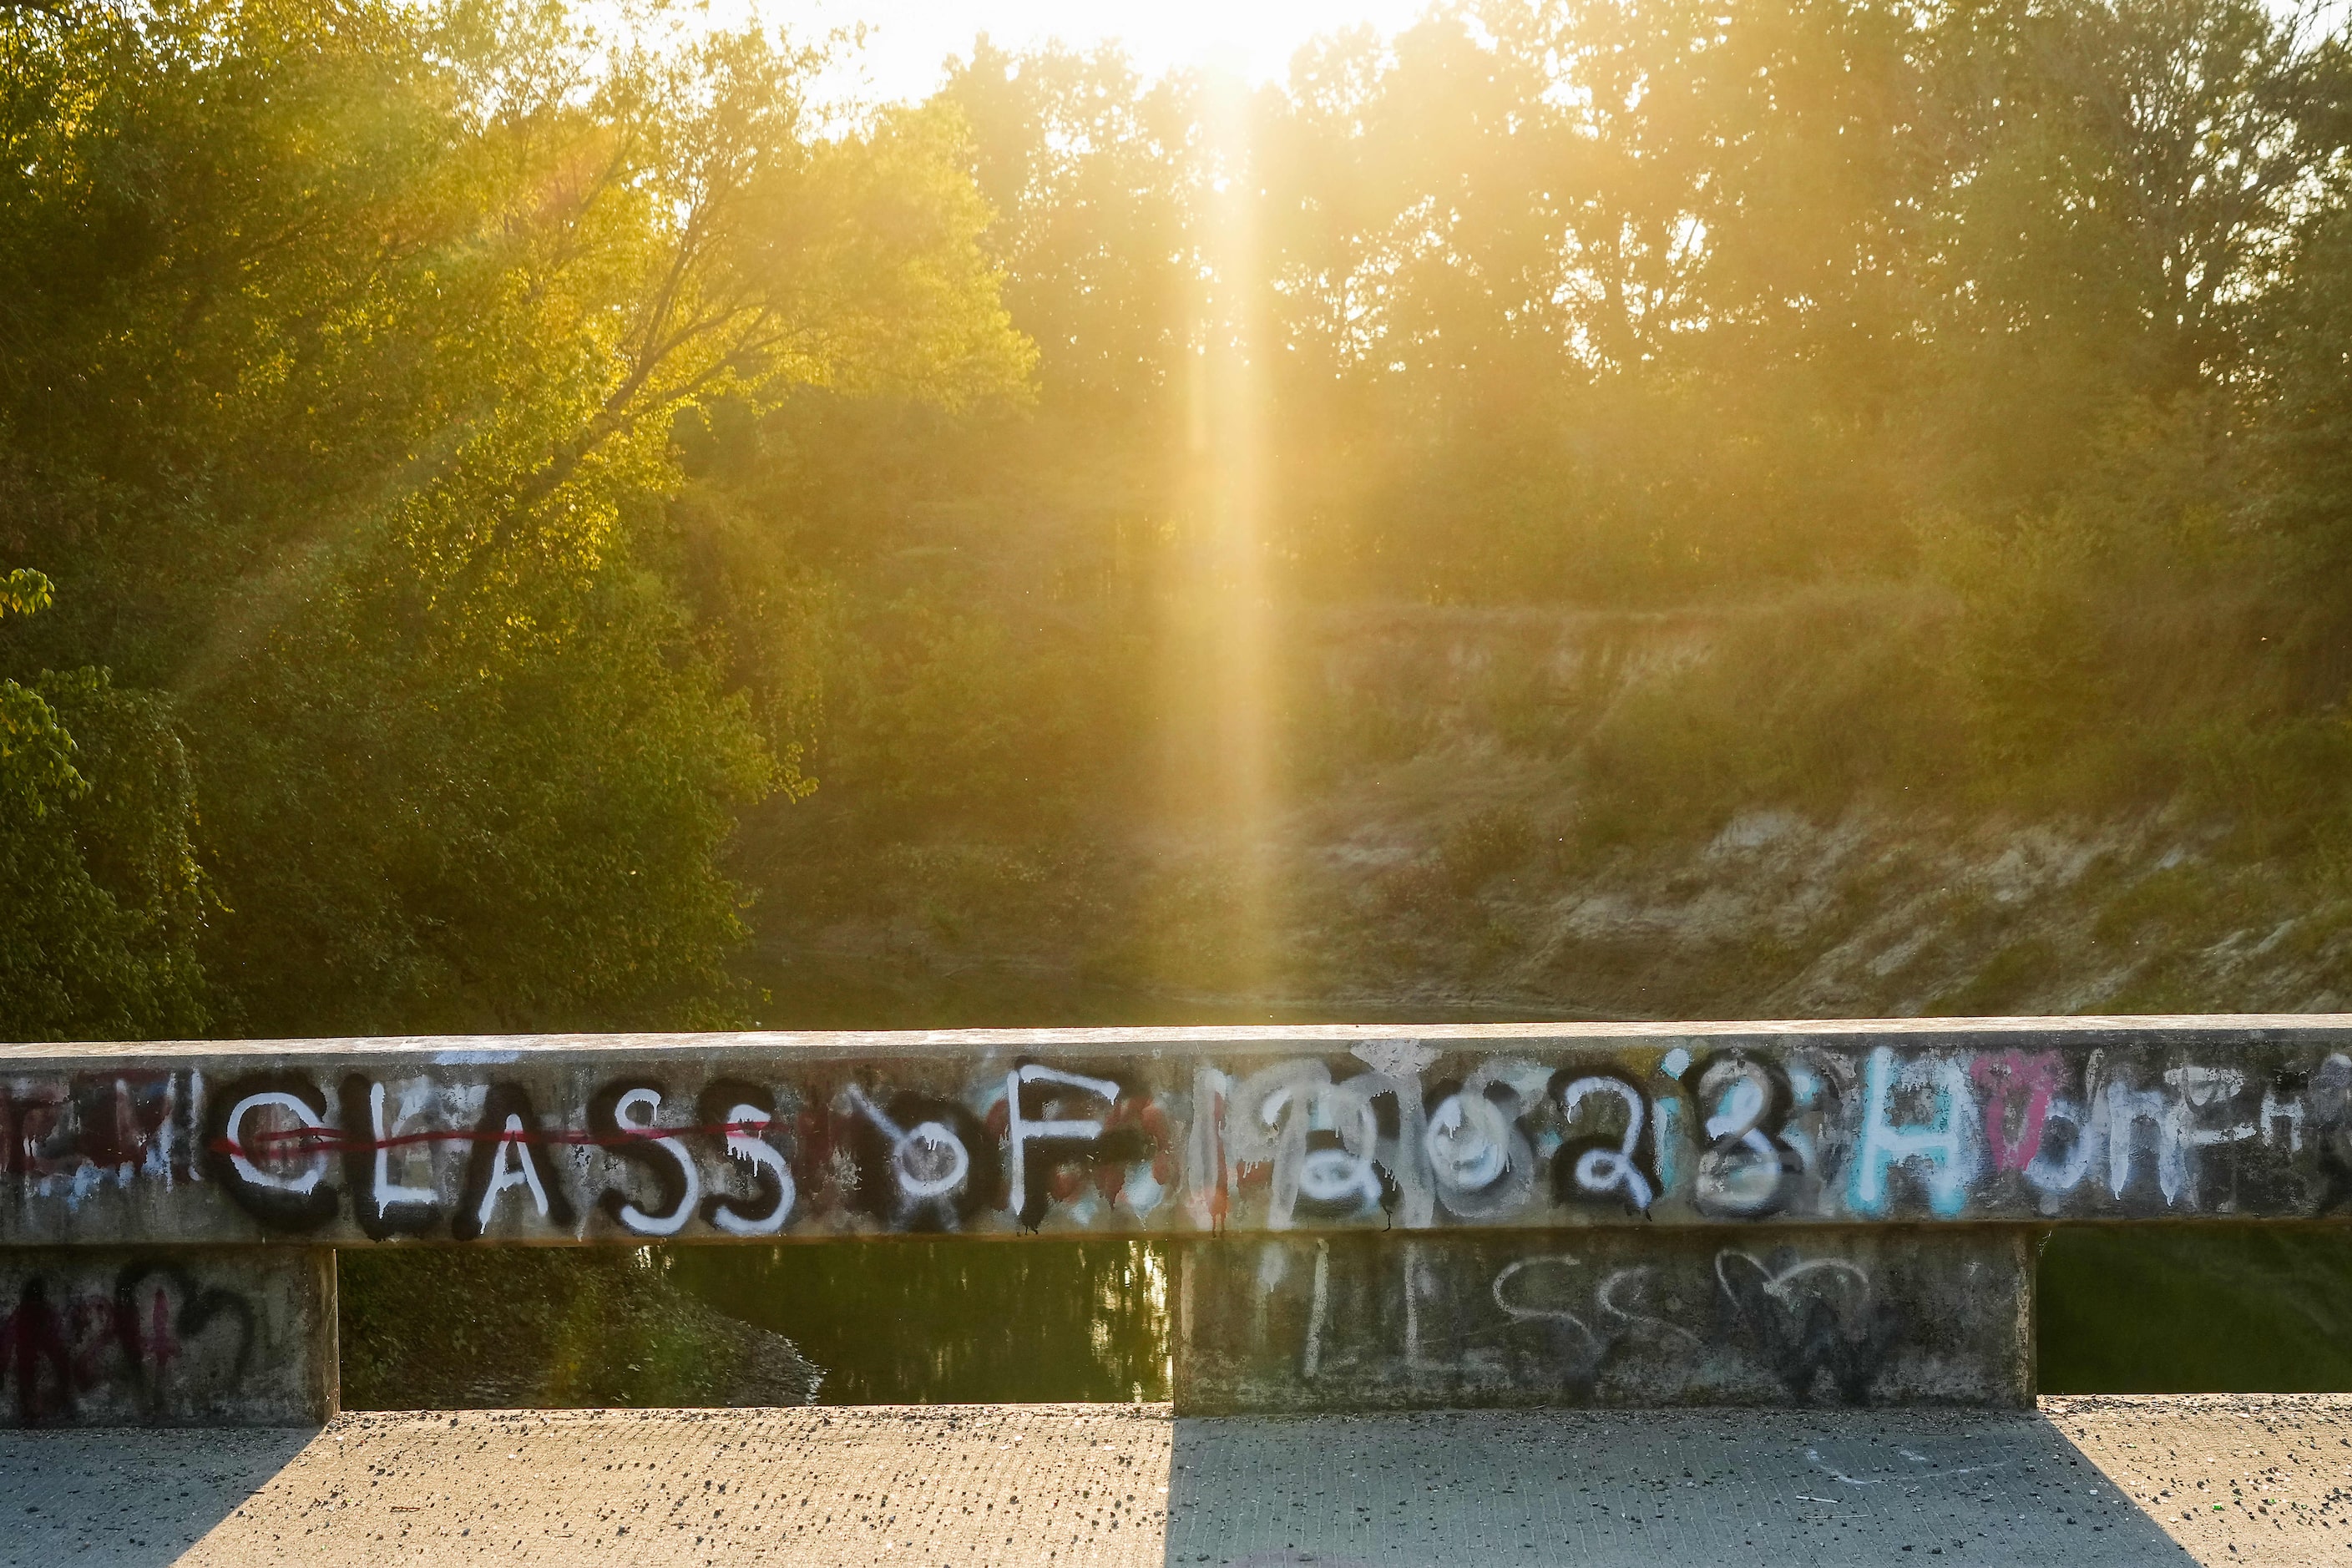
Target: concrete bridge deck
2085, 1482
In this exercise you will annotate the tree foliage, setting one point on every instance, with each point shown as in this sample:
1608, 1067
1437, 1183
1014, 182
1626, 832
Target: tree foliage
100, 901
495, 460
345, 342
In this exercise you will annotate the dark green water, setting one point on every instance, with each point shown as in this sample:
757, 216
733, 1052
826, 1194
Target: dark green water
954, 1322
2196, 1309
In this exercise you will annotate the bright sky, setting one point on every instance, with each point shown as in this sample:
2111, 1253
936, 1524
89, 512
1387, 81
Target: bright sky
911, 38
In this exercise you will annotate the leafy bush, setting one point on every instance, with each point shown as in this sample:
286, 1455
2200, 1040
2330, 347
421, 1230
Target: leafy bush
101, 904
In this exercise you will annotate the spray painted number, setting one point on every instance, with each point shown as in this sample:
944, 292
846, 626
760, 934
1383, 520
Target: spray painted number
1607, 1167
1742, 1104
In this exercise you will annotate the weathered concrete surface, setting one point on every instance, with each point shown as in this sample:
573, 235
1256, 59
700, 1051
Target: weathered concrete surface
1677, 1180
763, 1137
2233, 1478
1043, 1484
1627, 1319
178, 1336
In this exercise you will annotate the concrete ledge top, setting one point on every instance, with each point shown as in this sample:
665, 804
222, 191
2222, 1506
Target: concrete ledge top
2095, 1483
2216, 1027
767, 1137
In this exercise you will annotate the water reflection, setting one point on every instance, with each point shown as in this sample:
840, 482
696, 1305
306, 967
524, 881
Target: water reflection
953, 1322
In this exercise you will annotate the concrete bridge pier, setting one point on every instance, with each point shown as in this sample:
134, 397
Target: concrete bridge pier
1297, 1323
1643, 1318
169, 1336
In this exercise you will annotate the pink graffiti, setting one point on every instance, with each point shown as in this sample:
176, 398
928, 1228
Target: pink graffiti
58, 1351
2005, 1079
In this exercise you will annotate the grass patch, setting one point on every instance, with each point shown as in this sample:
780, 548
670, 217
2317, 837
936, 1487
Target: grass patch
2014, 974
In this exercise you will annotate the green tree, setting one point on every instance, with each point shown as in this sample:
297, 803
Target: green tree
346, 344
101, 902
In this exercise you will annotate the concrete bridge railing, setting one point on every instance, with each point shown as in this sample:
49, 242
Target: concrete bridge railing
1359, 1216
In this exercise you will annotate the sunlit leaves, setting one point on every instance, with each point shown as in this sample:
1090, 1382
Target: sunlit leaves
101, 898
343, 345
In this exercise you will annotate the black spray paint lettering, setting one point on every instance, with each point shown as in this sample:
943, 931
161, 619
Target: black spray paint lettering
44, 1365
747, 1112
1330, 1144
1336, 1171
621, 1118
1023, 1131
1741, 1103
914, 1160
150, 1348
1616, 1166
505, 1156
1406, 1189
1275, 1118
1480, 1159
288, 1199
1753, 1130
1809, 1317
384, 1207
2331, 1132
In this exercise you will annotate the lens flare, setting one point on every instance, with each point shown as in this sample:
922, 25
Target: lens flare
1222, 673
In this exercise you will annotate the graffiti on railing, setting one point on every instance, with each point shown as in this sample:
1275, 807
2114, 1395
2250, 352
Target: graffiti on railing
1389, 1134
150, 1338
1614, 1316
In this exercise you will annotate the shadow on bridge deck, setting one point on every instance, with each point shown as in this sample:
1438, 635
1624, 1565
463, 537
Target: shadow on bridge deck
2220, 1479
